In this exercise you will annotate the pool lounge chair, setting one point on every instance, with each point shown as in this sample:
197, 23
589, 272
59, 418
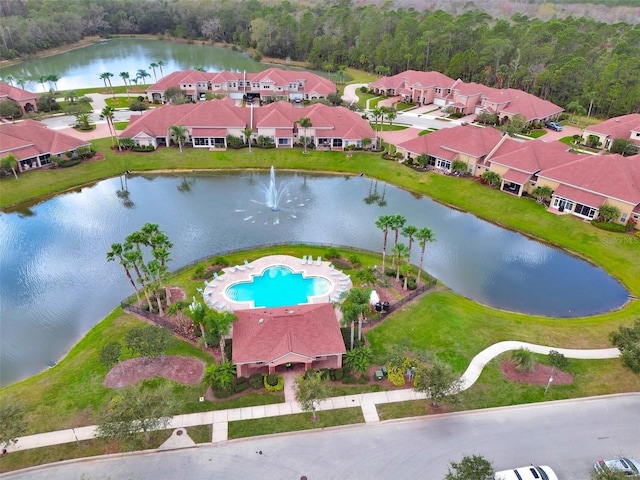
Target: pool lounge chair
213, 304
217, 277
220, 306
319, 261
199, 290
246, 264
304, 259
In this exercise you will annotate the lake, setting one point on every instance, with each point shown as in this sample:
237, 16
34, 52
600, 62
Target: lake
81, 68
56, 283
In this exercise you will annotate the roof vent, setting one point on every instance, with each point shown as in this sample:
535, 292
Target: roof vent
260, 321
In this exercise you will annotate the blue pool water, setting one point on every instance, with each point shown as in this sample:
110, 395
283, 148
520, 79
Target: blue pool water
278, 286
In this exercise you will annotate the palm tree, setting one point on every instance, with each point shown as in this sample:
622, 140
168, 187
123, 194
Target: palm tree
125, 77
391, 116
21, 81
9, 79
247, 136
133, 253
305, 123
178, 133
42, 79
354, 308
160, 65
409, 232
423, 235
377, 113
397, 223
157, 272
218, 325
106, 78
399, 252
117, 251
142, 74
384, 223
53, 78
153, 66
384, 111
107, 114
10, 162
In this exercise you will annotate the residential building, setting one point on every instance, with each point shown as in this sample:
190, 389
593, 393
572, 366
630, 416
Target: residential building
626, 127
26, 100
267, 338
467, 143
209, 123
288, 85
34, 144
590, 181
424, 88
519, 162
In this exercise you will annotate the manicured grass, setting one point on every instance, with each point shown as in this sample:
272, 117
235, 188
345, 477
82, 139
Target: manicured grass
200, 433
120, 125
591, 377
441, 323
87, 448
363, 97
120, 102
294, 422
427, 131
537, 133
386, 127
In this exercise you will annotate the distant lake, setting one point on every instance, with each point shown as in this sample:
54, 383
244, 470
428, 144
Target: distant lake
55, 282
81, 68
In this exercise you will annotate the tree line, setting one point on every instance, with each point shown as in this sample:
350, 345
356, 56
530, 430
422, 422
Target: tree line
571, 60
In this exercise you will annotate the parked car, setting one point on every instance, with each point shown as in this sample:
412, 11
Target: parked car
628, 466
532, 472
553, 126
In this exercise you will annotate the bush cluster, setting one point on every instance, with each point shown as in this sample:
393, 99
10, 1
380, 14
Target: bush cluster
241, 384
609, 226
256, 381
279, 383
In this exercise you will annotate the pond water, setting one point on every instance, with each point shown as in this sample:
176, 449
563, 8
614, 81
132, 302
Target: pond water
81, 68
55, 282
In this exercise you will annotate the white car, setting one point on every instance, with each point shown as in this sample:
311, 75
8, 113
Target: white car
532, 472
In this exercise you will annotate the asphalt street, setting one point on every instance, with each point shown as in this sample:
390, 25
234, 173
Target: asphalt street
568, 435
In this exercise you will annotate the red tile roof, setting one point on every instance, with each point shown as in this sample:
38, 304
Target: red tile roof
30, 138
15, 93
531, 156
579, 196
334, 122
617, 127
413, 78
447, 143
612, 176
264, 335
516, 176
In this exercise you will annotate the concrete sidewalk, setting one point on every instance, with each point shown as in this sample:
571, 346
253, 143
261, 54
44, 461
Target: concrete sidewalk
219, 419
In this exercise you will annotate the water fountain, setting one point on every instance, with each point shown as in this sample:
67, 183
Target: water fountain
273, 194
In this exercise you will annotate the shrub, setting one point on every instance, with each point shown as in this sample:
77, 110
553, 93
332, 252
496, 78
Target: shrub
143, 148
338, 374
235, 142
341, 265
241, 384
523, 360
627, 339
221, 261
332, 253
198, 272
325, 374
411, 284
279, 386
220, 393
271, 380
610, 227
355, 261
396, 376
256, 381
69, 163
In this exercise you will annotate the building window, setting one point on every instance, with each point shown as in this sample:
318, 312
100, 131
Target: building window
337, 142
584, 210
283, 141
562, 204
623, 218
200, 142
446, 164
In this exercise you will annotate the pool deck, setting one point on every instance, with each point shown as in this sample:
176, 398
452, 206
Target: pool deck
214, 290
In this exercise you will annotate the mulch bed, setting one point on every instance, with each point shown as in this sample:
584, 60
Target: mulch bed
185, 370
539, 375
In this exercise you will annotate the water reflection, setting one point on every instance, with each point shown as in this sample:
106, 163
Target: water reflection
55, 282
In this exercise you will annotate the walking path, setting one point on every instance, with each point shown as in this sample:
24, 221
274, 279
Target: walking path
220, 419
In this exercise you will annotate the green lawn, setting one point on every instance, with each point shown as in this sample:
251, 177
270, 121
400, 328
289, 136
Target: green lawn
294, 422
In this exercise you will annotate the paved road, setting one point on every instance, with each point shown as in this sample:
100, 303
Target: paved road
568, 435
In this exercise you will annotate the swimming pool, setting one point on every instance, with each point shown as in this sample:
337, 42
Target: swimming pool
278, 286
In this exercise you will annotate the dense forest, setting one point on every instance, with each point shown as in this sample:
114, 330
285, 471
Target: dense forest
574, 61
